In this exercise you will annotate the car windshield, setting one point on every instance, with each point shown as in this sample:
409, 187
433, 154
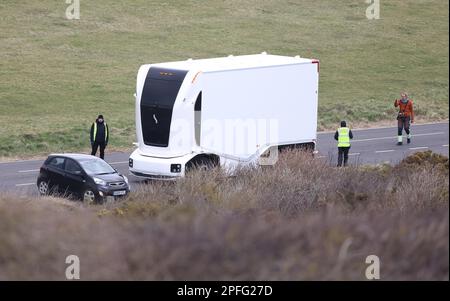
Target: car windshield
96, 167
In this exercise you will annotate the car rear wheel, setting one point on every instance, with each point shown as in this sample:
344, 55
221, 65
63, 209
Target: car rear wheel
88, 196
43, 187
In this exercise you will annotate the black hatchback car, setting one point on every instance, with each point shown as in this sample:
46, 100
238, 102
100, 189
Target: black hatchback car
88, 177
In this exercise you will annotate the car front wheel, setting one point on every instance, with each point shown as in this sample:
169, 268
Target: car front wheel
89, 196
43, 187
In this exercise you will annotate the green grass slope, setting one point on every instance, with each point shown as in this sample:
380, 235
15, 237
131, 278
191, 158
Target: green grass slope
57, 74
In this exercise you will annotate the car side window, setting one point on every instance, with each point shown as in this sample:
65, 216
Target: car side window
57, 162
72, 166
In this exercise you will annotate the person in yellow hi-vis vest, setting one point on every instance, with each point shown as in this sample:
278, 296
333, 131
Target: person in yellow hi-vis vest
343, 136
99, 136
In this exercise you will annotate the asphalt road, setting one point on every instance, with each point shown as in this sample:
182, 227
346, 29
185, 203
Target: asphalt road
369, 146
379, 145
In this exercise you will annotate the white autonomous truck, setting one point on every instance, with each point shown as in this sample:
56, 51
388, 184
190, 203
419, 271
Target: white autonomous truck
229, 111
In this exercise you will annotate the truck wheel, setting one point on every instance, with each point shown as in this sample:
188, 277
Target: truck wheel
201, 163
204, 164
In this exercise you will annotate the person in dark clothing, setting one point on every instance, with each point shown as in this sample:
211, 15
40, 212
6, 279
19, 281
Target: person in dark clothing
343, 136
99, 136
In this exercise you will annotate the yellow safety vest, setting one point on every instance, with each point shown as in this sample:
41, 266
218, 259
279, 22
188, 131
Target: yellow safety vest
343, 137
95, 131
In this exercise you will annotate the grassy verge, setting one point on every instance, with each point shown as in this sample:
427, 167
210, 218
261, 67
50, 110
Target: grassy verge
56, 74
300, 220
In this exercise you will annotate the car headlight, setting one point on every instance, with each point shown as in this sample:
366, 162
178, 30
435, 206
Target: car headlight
99, 181
126, 179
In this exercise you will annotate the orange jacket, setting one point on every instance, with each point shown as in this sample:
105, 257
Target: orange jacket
406, 109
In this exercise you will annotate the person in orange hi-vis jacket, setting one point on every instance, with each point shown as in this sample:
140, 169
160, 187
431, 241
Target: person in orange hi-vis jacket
405, 116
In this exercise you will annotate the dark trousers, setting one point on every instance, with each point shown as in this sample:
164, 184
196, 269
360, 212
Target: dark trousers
95, 146
403, 123
343, 154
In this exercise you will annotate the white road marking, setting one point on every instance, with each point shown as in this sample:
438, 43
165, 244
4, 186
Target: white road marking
386, 127
354, 154
420, 147
121, 162
29, 170
21, 161
25, 184
445, 145
385, 151
321, 156
394, 137
413, 125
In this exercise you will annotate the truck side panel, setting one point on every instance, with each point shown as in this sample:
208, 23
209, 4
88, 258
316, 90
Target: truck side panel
244, 110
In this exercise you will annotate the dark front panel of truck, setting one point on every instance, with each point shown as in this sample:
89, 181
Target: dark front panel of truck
158, 97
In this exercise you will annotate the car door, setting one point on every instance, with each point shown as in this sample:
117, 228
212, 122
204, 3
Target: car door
55, 170
74, 176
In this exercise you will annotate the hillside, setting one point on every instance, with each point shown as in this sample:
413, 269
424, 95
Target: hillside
57, 74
